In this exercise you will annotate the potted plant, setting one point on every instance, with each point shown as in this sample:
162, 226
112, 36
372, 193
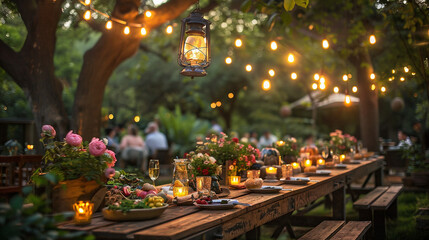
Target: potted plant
203, 168
288, 149
79, 165
418, 165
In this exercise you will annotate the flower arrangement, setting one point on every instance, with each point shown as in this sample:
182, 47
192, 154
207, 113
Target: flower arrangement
288, 147
73, 158
340, 143
203, 164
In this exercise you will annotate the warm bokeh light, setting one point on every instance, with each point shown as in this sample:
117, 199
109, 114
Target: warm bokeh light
336, 89
87, 15
347, 100
349, 75
290, 58
372, 76
109, 25
316, 77
271, 72
87, 2
393, 71
354, 89
322, 80
248, 67
325, 44
230, 95
413, 73
293, 76
383, 89
345, 78
169, 29
218, 104
406, 69
228, 60
314, 86
273, 45
213, 105
137, 119
111, 116
143, 31
322, 86
373, 87
402, 79
390, 79
148, 14
372, 39
126, 30
266, 85
238, 42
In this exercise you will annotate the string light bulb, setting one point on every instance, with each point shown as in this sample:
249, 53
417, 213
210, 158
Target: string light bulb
230, 95
345, 78
213, 105
126, 30
87, 15
238, 42
266, 85
322, 86
228, 60
325, 44
373, 87
290, 58
294, 76
271, 72
354, 89
148, 14
109, 25
169, 29
372, 39
406, 69
143, 31
314, 86
383, 89
273, 45
137, 119
347, 100
87, 2
322, 80
316, 77
248, 68
218, 103
402, 79
393, 71
372, 76
111, 116
336, 89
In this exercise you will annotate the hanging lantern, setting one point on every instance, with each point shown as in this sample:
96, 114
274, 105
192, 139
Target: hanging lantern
194, 50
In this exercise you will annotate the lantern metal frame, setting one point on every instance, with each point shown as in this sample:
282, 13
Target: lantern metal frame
196, 24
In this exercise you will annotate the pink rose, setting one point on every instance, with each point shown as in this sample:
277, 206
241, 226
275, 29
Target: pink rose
252, 158
109, 172
73, 139
113, 157
48, 130
96, 147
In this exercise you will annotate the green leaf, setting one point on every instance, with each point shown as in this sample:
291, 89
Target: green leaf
16, 202
245, 7
302, 3
289, 4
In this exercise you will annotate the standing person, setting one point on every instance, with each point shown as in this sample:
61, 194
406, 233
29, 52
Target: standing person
155, 140
133, 148
267, 140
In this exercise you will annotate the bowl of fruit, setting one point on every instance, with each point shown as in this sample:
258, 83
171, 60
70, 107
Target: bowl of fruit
128, 210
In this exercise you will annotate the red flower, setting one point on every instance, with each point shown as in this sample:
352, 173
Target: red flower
185, 155
235, 140
205, 172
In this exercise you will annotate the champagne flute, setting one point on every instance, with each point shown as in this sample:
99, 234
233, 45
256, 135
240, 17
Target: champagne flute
325, 152
154, 170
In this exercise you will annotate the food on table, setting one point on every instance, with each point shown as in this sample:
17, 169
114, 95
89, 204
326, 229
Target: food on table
310, 169
126, 190
253, 183
148, 187
204, 200
126, 205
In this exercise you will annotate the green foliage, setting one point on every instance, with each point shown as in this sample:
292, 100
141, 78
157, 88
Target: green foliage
126, 205
417, 161
287, 147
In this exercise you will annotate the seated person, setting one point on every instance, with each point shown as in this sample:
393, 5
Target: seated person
133, 148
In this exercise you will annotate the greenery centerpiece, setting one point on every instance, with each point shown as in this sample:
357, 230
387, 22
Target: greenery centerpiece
288, 149
341, 143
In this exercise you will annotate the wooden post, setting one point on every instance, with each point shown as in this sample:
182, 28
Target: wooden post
378, 175
339, 204
392, 211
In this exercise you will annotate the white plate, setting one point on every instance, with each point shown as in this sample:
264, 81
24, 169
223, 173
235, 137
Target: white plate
266, 189
217, 205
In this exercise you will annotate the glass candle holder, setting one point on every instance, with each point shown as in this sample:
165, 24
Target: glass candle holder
271, 170
253, 173
342, 158
307, 163
180, 191
296, 168
83, 212
204, 184
234, 180
321, 163
287, 171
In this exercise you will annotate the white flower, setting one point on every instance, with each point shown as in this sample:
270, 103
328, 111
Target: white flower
105, 141
200, 155
212, 160
206, 162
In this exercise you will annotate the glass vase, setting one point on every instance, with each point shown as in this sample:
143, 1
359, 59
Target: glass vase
204, 184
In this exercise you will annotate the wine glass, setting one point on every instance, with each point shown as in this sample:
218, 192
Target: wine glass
325, 152
154, 170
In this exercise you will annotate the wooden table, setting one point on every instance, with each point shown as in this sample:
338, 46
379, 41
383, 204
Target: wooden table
188, 222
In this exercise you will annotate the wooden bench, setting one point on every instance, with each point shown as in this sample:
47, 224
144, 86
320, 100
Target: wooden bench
378, 204
353, 230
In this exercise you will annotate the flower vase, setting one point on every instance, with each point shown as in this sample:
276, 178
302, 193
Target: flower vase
224, 175
204, 184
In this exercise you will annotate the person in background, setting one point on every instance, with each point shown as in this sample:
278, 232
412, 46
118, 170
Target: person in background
267, 140
155, 140
254, 139
309, 141
245, 138
133, 148
404, 140
112, 143
216, 127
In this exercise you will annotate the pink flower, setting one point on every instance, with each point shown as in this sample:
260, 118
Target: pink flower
73, 139
109, 172
252, 158
249, 163
113, 157
49, 131
96, 147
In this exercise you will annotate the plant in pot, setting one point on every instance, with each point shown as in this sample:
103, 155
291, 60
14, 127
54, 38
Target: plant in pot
204, 169
418, 165
288, 149
79, 165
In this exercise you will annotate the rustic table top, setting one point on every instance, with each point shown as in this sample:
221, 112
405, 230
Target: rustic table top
179, 222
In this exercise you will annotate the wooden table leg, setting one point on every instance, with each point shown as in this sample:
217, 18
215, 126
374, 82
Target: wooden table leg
380, 224
339, 204
378, 175
284, 221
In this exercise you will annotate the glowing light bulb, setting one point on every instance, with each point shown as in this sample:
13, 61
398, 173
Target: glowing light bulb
290, 58
402, 79
322, 86
87, 2
314, 86
345, 78
109, 25
325, 44
213, 105
349, 75
266, 85
372, 76
393, 71
238, 42
87, 15
347, 100
230, 95
148, 14
354, 89
336, 89
271, 72
169, 29
406, 69
322, 80
273, 45
373, 87
248, 67
316, 77
293, 76
413, 73
143, 31
137, 119
218, 104
228, 60
372, 39
383, 89
111, 116
126, 30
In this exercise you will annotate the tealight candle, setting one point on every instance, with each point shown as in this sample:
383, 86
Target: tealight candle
234, 180
180, 191
321, 163
342, 158
307, 163
30, 147
296, 168
271, 170
83, 212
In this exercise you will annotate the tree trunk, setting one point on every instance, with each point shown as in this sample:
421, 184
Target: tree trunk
368, 105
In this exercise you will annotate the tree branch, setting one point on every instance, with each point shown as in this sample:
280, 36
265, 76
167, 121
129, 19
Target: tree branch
10, 61
145, 48
27, 9
167, 12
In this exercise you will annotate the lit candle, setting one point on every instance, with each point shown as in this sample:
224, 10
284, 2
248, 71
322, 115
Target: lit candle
320, 163
180, 191
271, 170
280, 143
83, 212
296, 168
234, 180
307, 163
342, 158
253, 173
30, 147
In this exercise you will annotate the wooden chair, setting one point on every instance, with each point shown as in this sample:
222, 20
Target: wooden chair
10, 178
353, 230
